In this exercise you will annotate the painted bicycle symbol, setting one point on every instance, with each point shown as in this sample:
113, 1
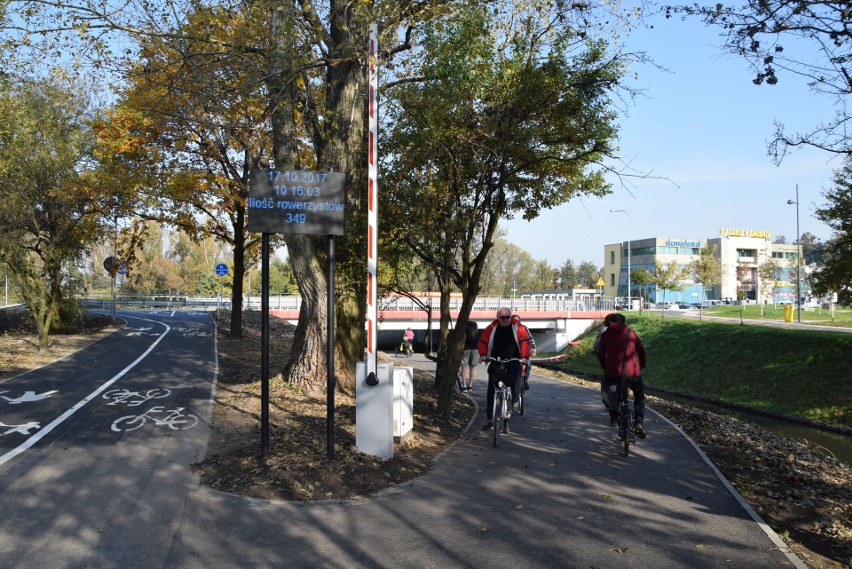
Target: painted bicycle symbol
173, 418
134, 398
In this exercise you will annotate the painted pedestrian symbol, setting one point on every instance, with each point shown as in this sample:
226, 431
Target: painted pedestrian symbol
28, 397
22, 429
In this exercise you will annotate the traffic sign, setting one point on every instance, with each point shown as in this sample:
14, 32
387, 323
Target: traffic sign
221, 269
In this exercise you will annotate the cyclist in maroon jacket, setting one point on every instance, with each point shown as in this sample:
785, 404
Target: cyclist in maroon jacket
621, 354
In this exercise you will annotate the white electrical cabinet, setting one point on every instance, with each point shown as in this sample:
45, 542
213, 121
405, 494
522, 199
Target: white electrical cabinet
374, 410
403, 402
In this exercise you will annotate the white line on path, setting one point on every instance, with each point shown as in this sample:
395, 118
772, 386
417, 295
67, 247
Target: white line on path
59, 420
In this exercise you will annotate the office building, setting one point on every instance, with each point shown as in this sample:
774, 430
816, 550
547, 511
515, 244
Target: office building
741, 254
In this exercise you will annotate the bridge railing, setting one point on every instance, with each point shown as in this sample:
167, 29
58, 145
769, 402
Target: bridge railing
294, 302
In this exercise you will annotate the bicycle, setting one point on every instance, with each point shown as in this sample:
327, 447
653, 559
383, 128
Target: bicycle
174, 419
502, 410
626, 423
134, 398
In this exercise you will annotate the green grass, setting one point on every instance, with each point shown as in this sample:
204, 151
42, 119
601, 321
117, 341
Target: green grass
842, 316
798, 372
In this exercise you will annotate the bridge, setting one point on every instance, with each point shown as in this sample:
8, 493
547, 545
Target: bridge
553, 322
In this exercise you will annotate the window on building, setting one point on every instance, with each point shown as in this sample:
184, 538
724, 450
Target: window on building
612, 279
777, 254
644, 251
612, 257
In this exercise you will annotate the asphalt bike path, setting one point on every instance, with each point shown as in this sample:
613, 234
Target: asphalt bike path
557, 493
110, 483
79, 486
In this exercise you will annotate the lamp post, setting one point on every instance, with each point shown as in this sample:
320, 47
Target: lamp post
798, 259
629, 304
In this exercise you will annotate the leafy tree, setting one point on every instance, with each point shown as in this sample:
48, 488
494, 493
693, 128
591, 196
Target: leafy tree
46, 201
669, 277
310, 61
197, 259
281, 278
642, 278
152, 273
744, 281
809, 39
587, 274
513, 267
568, 275
190, 125
706, 270
769, 272
522, 120
813, 250
836, 274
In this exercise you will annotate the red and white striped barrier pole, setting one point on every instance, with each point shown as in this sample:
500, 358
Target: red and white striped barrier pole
373, 204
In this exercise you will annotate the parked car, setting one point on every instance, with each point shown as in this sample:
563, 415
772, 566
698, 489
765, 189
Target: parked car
685, 306
665, 305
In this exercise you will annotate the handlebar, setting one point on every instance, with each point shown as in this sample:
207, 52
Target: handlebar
489, 360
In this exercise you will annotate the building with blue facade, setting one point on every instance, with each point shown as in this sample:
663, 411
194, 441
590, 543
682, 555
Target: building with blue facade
753, 268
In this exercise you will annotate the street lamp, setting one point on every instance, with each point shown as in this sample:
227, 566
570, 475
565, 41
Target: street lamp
798, 259
629, 305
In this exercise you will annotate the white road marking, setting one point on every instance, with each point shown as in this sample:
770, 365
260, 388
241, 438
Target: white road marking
59, 420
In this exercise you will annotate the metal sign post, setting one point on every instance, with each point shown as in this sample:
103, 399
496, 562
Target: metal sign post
221, 272
295, 201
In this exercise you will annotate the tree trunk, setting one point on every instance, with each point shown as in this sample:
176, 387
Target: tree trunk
340, 146
307, 364
239, 273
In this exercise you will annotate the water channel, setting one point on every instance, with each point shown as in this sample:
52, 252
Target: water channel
837, 444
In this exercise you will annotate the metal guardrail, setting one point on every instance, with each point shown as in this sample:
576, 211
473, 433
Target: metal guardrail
293, 302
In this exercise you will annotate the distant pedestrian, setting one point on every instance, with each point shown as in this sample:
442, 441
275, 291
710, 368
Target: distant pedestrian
622, 355
470, 359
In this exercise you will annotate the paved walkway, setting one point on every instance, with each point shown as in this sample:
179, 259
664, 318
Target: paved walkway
557, 493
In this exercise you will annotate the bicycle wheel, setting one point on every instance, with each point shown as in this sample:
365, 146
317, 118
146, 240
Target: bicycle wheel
626, 438
521, 399
128, 423
507, 409
496, 417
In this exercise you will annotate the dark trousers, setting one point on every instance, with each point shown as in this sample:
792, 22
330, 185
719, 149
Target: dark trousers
634, 384
513, 370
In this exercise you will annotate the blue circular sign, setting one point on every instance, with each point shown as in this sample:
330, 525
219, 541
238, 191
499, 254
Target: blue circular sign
221, 269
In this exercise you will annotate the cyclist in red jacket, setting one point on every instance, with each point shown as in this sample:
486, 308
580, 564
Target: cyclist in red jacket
504, 338
621, 354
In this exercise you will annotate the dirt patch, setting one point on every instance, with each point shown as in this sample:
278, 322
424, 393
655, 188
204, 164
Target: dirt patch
19, 347
297, 466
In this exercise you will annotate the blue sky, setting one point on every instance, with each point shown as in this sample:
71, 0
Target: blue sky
704, 126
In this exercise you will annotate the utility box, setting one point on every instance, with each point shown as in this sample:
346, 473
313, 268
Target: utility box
374, 410
403, 402
788, 313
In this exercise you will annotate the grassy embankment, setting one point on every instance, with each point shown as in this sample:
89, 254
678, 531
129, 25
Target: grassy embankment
805, 373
